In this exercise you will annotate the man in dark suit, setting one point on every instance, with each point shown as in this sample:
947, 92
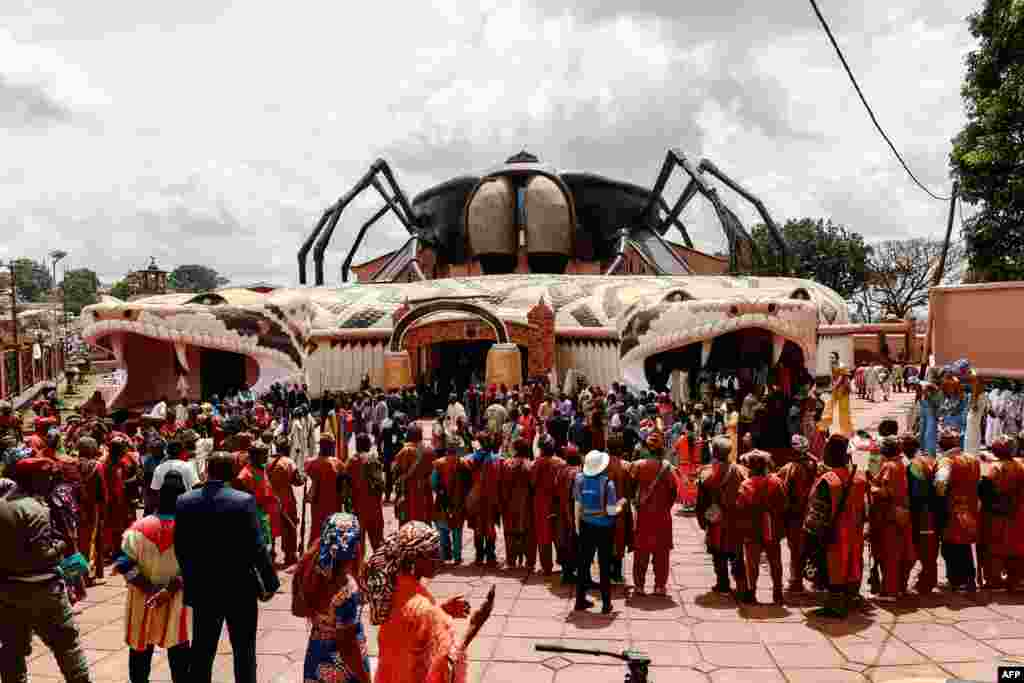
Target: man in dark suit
224, 561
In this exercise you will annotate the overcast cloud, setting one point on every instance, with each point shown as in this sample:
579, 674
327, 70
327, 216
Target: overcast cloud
216, 132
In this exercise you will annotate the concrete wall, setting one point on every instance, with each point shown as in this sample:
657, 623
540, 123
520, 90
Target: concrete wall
982, 323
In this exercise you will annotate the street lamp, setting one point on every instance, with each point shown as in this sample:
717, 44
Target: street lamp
56, 255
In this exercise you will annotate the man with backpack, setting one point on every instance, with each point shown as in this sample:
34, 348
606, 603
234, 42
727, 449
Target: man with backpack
596, 506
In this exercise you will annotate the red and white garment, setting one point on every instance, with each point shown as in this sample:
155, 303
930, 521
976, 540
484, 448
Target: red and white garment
149, 543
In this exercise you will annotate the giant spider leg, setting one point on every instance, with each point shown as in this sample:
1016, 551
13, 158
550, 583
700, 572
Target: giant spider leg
324, 230
731, 224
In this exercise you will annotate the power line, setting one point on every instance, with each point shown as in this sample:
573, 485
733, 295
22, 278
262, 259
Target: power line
824, 24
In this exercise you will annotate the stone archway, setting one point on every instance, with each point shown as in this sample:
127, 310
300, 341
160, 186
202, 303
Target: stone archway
503, 358
402, 325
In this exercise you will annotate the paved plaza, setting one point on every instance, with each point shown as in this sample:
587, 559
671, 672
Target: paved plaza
693, 635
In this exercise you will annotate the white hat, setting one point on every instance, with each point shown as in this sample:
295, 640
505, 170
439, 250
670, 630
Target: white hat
595, 463
185, 469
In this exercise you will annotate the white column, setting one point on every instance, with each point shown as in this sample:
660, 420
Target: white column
378, 363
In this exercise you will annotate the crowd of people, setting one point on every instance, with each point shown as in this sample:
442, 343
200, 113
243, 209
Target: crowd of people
227, 490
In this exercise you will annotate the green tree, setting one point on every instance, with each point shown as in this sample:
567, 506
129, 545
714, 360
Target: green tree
195, 278
80, 289
821, 251
120, 290
988, 154
32, 279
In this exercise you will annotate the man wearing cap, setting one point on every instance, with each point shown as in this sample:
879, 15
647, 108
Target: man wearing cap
595, 508
835, 525
32, 596
956, 481
718, 487
1001, 491
759, 508
412, 468
654, 491
890, 495
797, 477
543, 474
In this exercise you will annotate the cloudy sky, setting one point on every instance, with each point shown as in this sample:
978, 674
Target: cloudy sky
215, 132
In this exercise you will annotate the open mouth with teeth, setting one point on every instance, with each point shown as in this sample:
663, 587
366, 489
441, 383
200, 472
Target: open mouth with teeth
660, 336
198, 350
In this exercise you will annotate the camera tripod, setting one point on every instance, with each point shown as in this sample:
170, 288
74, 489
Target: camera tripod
637, 663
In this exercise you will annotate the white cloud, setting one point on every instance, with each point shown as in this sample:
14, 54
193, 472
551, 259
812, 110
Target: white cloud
216, 133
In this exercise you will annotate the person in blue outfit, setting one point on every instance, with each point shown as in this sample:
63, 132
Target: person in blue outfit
596, 505
337, 651
931, 401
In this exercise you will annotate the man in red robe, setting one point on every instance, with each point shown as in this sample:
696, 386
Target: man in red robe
483, 503
324, 500
890, 494
1001, 492
956, 481
450, 487
412, 468
120, 472
655, 487
835, 527
543, 474
254, 481
759, 507
90, 502
718, 487
565, 516
517, 507
284, 475
797, 477
366, 474
618, 473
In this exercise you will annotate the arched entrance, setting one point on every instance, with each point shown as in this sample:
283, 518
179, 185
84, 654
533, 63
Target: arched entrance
446, 355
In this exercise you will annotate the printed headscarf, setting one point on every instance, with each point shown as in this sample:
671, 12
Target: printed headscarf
398, 553
339, 542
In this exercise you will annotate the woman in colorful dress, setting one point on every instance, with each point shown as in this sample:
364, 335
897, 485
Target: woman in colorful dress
417, 639
337, 643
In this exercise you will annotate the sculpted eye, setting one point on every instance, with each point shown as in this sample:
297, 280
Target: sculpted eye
773, 308
734, 310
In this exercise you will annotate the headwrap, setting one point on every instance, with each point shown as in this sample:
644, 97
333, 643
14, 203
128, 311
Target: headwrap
655, 441
799, 443
339, 541
398, 553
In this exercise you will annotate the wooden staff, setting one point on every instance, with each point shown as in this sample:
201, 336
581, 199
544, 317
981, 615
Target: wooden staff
302, 527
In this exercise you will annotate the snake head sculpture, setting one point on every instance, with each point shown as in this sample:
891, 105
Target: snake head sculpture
236, 337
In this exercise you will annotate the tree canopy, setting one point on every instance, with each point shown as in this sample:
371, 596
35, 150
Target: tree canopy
195, 278
988, 154
32, 279
121, 290
900, 273
80, 289
822, 251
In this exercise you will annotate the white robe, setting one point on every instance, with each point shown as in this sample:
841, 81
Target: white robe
973, 438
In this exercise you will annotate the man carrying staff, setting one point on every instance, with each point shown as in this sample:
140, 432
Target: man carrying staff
366, 475
323, 492
449, 483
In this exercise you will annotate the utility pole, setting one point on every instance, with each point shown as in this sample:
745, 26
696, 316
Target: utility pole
940, 271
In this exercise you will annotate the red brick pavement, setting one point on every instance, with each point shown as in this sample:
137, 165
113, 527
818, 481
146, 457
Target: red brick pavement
693, 635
